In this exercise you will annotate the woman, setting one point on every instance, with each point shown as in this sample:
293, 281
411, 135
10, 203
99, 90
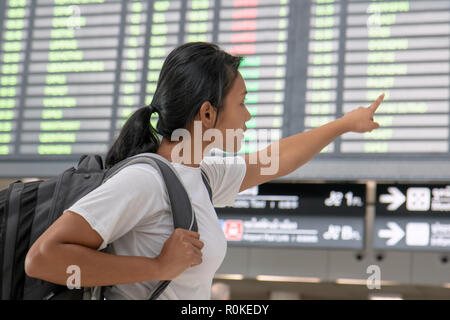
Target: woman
199, 87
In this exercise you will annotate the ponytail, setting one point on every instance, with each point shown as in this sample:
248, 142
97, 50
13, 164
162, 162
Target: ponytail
137, 136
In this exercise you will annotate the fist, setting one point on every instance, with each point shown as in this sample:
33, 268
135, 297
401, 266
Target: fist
361, 119
181, 251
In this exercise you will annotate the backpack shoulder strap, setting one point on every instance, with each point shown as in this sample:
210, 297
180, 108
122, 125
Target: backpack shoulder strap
163, 284
207, 184
181, 206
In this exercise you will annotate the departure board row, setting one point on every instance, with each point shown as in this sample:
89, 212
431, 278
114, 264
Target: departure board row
73, 71
400, 48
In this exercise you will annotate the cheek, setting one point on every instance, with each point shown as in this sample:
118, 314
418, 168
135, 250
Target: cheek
232, 118
223, 122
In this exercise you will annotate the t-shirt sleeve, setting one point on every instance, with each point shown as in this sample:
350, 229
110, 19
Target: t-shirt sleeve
225, 176
118, 205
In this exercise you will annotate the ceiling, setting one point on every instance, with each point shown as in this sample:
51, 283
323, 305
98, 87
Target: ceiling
250, 289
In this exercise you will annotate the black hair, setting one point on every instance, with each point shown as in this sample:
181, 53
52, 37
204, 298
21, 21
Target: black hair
192, 74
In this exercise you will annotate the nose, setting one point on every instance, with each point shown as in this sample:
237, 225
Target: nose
249, 116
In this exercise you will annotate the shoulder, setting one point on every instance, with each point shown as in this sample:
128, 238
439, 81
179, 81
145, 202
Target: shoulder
225, 175
218, 166
138, 176
222, 161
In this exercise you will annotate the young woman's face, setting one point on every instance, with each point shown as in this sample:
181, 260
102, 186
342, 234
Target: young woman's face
233, 116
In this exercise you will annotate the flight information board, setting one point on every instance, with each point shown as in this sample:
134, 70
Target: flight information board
359, 49
72, 71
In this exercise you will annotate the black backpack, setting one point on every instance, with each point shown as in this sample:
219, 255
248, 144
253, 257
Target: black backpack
28, 209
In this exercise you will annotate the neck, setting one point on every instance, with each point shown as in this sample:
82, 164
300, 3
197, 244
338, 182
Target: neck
179, 152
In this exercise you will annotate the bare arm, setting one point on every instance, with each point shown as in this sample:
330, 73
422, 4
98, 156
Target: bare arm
294, 151
70, 240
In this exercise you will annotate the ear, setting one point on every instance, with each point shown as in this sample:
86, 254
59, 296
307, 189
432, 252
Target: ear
207, 114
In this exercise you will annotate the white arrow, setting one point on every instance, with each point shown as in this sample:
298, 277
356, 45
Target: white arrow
395, 198
394, 233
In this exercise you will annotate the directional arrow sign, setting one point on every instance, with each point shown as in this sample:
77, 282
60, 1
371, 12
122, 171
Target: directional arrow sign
394, 233
395, 198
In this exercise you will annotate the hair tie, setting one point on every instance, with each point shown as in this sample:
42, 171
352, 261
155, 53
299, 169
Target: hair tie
152, 109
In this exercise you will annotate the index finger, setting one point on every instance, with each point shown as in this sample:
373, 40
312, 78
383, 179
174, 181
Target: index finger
374, 106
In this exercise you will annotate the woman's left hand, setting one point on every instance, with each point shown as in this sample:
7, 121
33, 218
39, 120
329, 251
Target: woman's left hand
361, 119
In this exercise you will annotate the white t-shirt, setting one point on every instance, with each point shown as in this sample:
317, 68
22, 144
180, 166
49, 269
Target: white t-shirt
131, 212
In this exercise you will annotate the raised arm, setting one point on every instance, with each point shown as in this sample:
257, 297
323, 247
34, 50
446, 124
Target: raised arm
296, 150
